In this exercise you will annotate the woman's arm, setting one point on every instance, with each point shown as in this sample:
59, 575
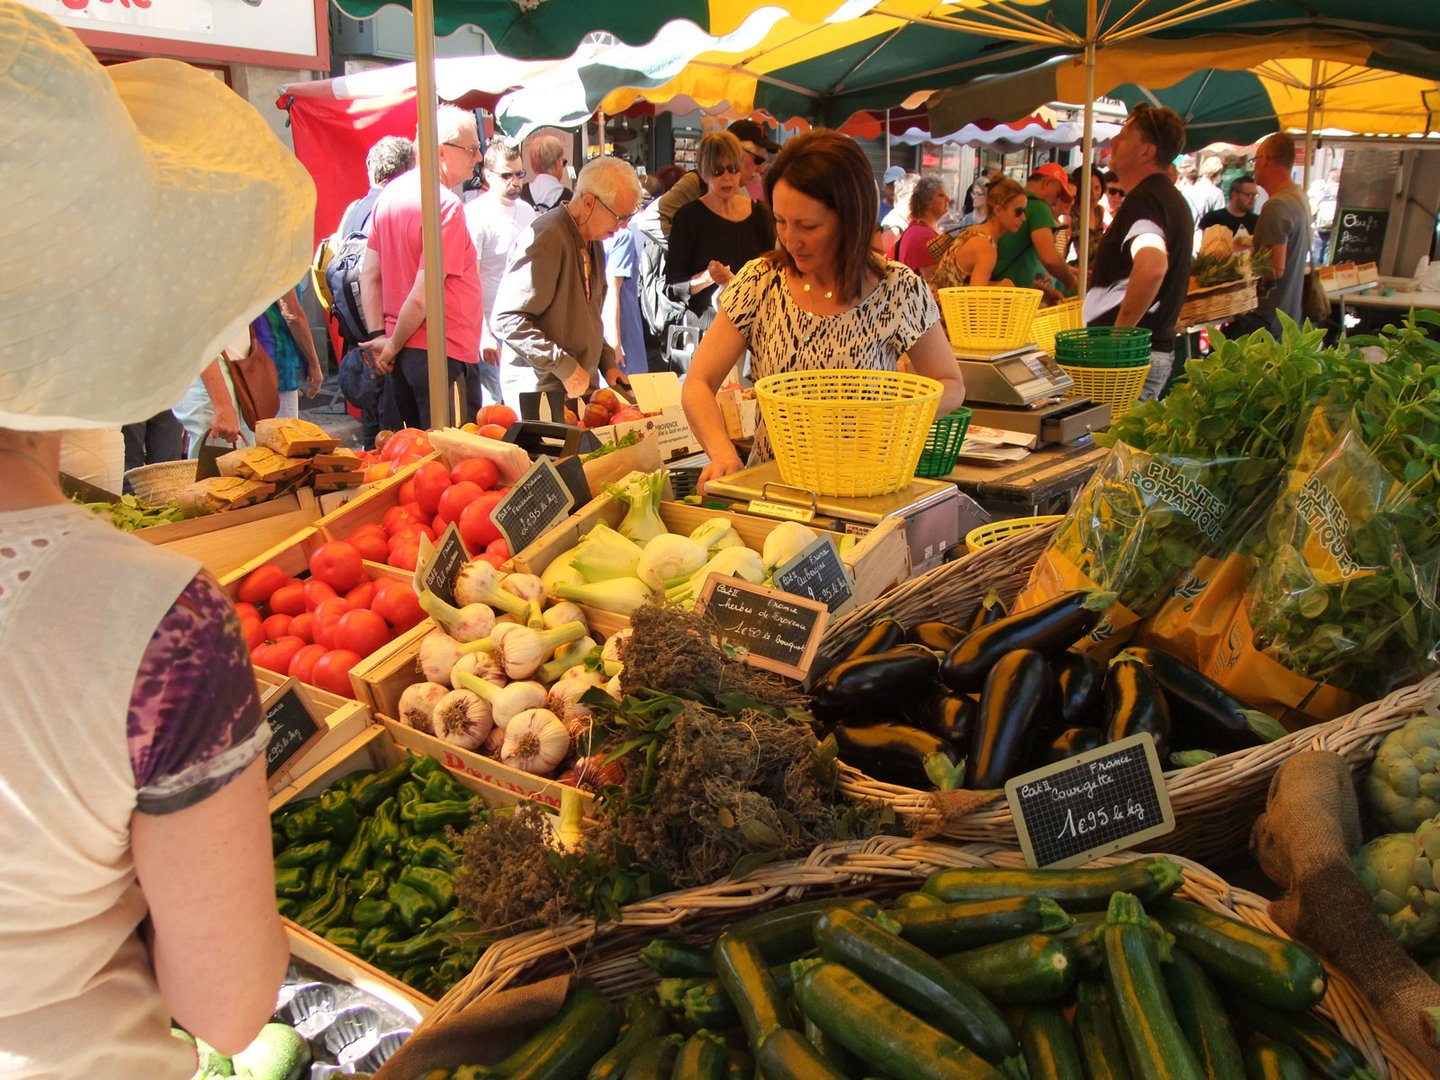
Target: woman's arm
985, 254
225, 422
932, 356
720, 350
294, 316
216, 940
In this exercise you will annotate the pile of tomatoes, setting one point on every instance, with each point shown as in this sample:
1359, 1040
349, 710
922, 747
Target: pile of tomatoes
318, 628
404, 447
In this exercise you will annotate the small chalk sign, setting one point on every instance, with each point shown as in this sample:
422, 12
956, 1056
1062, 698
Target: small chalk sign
767, 629
817, 573
438, 567
1103, 800
294, 727
535, 502
1359, 234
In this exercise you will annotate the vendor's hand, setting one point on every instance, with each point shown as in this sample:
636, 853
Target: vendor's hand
577, 382
225, 427
717, 468
616, 377
314, 379
719, 272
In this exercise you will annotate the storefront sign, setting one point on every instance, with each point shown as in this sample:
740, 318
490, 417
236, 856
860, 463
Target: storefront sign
135, 16
766, 629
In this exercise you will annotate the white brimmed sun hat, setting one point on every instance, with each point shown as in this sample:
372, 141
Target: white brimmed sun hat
148, 215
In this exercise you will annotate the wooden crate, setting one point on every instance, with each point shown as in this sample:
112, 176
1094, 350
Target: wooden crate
380, 678
346, 720
230, 538
370, 505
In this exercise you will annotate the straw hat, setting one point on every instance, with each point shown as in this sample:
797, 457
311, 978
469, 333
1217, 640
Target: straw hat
146, 215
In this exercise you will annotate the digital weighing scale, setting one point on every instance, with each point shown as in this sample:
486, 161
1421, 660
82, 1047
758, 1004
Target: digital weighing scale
1022, 390
930, 509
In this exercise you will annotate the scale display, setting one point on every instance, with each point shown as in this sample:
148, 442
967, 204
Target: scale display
1014, 377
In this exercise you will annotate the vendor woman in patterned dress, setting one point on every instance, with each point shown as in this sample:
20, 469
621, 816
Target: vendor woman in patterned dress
822, 300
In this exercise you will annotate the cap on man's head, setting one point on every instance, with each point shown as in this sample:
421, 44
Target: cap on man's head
1052, 171
894, 173
752, 132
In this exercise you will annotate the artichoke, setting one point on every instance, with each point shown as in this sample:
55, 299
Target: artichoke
1399, 871
1403, 789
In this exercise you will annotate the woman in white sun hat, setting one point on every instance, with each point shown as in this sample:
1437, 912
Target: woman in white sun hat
135, 879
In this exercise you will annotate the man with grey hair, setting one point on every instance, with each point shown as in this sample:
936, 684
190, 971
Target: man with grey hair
392, 279
546, 153
548, 307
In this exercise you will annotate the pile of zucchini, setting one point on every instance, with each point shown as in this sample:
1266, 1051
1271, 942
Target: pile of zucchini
984, 974
1011, 694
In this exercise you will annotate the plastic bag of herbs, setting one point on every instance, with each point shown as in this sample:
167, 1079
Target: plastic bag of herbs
1175, 494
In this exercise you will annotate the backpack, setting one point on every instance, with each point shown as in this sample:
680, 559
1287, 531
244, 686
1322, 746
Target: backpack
342, 275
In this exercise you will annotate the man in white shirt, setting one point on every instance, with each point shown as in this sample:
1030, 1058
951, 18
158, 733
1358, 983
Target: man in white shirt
495, 219
546, 153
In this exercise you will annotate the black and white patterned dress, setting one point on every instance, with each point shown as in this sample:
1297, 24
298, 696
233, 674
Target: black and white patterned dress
783, 336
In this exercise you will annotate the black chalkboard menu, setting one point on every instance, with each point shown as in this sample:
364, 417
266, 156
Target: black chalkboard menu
439, 573
1359, 234
817, 574
1091, 804
534, 503
293, 726
767, 629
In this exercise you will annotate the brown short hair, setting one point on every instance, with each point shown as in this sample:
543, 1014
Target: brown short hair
718, 149
832, 169
1000, 192
1280, 148
926, 188
1162, 128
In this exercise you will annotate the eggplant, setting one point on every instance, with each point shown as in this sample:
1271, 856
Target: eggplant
991, 609
1050, 628
950, 716
884, 633
1071, 741
1080, 682
1134, 703
879, 682
940, 636
1017, 692
1203, 715
891, 753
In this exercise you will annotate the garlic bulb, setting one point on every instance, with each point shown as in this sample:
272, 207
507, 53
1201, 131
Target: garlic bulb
562, 611
479, 583
530, 589
438, 654
522, 650
564, 700
611, 651
482, 666
613, 688
462, 717
535, 741
494, 742
506, 701
417, 705
470, 623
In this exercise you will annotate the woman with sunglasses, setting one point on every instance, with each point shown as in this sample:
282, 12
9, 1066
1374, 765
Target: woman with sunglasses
970, 260
718, 233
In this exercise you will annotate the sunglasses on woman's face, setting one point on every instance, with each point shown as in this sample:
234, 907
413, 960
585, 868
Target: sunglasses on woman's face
1119, 192
733, 170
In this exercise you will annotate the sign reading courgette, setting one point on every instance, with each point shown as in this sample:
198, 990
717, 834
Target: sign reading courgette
1103, 800
438, 567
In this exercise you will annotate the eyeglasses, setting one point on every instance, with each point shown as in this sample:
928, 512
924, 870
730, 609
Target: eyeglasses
760, 160
473, 151
623, 219
1115, 191
1248, 193
512, 175
733, 170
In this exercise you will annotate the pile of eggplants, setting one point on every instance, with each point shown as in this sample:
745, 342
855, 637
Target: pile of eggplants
1009, 694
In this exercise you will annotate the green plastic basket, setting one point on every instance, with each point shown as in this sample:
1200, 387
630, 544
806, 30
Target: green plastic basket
942, 444
1103, 346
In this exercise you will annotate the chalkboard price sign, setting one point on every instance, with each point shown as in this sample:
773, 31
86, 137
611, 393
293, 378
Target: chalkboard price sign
818, 574
438, 572
538, 500
767, 629
293, 726
1091, 804
1359, 234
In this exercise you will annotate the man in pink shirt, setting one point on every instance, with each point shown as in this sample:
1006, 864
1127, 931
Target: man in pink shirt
392, 278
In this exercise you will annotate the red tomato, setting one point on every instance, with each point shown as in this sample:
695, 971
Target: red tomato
289, 599
431, 481
338, 564
276, 626
379, 470
477, 470
362, 594
276, 655
303, 626
397, 604
372, 528
317, 592
495, 561
501, 415
254, 632
411, 534
498, 547
405, 440
396, 518
413, 509
260, 583
327, 615
302, 666
491, 431
405, 555
372, 546
361, 631
407, 491
332, 671
439, 525
456, 498
247, 611
476, 527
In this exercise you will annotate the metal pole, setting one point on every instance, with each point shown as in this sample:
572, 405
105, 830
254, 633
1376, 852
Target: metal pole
1310, 125
429, 151
886, 137
1087, 151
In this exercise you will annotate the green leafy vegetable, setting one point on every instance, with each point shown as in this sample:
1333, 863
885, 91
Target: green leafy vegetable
131, 513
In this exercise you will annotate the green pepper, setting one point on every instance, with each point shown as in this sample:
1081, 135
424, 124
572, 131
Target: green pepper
357, 855
423, 767
426, 945
386, 868
305, 854
330, 816
415, 975
292, 881
409, 796
371, 911
377, 936
370, 883
385, 830
321, 875
339, 811
435, 852
412, 906
376, 787
436, 884
277, 840
443, 787
344, 937
430, 816
288, 907
324, 911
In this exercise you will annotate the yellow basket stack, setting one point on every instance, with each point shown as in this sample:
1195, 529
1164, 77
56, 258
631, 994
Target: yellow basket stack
1108, 363
984, 535
1051, 320
988, 318
847, 433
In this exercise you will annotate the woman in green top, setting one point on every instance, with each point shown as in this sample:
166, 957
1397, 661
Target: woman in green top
970, 260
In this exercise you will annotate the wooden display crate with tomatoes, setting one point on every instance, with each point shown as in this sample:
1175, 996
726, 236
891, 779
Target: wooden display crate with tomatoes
345, 720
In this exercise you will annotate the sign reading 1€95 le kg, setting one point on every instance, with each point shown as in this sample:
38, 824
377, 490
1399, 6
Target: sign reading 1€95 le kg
293, 728
767, 629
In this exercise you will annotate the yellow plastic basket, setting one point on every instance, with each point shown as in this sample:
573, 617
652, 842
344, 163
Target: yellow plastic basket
984, 535
847, 433
989, 317
1051, 320
1118, 387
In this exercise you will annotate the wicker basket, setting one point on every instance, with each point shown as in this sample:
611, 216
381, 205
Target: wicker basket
984, 535
162, 482
1051, 320
847, 433
606, 954
1223, 302
989, 318
1215, 802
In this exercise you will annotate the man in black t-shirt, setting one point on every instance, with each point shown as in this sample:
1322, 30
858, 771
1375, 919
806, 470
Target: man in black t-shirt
1240, 210
1142, 263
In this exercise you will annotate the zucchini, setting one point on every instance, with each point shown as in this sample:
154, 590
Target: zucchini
708, 1005
655, 1059
788, 1055
701, 1057
1203, 1018
1095, 1031
1271, 969
912, 900
1016, 694
1154, 1044
788, 932
1049, 1046
1134, 704
1148, 878
893, 1041
1050, 627
1268, 1059
1329, 1055
946, 928
644, 1021
911, 977
1033, 969
586, 1032
674, 959
757, 998
834, 1054
581, 997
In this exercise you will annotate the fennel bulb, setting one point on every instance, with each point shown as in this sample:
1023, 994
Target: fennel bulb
667, 557
641, 493
715, 534
731, 562
622, 595
785, 541
602, 555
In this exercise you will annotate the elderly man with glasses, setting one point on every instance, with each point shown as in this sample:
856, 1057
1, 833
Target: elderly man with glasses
1283, 230
547, 310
